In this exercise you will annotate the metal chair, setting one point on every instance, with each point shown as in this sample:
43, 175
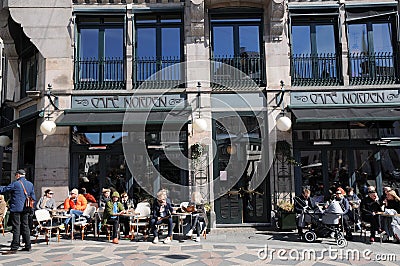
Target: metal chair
142, 219
45, 223
86, 219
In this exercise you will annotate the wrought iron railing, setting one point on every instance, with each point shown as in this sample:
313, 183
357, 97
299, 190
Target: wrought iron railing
238, 72
316, 70
99, 74
375, 68
158, 73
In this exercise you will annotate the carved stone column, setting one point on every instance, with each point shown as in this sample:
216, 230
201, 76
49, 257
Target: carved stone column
276, 20
197, 21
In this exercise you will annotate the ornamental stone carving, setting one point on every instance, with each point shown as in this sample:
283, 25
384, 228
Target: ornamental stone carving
197, 20
276, 21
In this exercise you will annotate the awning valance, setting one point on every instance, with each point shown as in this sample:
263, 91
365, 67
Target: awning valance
20, 121
346, 114
117, 118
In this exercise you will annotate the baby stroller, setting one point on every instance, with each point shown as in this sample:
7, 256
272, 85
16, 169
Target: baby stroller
324, 225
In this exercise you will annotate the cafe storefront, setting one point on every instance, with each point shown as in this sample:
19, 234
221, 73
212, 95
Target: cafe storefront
346, 138
98, 157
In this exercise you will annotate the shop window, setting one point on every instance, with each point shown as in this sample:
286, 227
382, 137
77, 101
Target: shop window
315, 50
29, 71
158, 50
372, 42
237, 45
99, 62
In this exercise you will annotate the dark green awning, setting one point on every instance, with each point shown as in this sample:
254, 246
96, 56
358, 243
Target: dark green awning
346, 114
117, 118
20, 121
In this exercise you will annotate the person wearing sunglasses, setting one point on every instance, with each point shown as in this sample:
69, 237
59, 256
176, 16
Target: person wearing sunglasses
46, 201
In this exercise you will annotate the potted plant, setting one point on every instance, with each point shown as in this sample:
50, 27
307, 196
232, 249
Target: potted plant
286, 215
196, 150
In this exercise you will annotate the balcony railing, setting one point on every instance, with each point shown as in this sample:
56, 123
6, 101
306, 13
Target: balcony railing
376, 68
99, 74
316, 70
238, 72
158, 73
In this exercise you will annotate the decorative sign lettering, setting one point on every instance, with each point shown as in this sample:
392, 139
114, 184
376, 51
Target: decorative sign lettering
346, 98
138, 102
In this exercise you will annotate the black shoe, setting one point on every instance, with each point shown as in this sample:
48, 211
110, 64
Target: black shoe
26, 249
9, 252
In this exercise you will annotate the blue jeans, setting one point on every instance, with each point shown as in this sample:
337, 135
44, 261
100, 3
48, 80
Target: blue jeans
20, 225
74, 214
154, 222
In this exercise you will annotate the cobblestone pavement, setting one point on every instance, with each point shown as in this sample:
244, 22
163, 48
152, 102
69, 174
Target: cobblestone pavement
239, 246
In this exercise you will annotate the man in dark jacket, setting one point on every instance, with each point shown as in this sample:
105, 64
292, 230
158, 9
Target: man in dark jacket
161, 213
302, 204
19, 214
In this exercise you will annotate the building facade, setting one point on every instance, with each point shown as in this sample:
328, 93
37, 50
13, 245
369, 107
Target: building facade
185, 95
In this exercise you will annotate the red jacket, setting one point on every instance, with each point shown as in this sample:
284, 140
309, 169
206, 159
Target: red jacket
80, 205
89, 197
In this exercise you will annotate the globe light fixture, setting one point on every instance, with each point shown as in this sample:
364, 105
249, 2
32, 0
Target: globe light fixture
48, 127
199, 125
5, 140
283, 123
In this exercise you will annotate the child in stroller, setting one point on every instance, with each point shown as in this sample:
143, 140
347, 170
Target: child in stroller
324, 224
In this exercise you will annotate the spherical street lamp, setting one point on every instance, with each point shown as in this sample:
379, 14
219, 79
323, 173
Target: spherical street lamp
199, 125
283, 123
5, 140
48, 127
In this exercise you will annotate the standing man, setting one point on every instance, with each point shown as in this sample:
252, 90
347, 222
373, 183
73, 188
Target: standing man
19, 214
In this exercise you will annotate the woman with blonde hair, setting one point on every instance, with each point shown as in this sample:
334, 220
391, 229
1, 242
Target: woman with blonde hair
392, 201
199, 215
3, 205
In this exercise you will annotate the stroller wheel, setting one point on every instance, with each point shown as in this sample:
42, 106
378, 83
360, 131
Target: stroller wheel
310, 236
339, 235
341, 242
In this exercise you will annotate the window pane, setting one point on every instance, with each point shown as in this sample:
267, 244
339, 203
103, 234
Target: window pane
325, 39
301, 42
249, 39
171, 41
114, 39
382, 40
89, 44
223, 41
146, 42
358, 38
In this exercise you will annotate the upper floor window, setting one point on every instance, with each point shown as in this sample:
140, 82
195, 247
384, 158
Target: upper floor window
236, 45
158, 50
29, 71
372, 42
99, 62
315, 55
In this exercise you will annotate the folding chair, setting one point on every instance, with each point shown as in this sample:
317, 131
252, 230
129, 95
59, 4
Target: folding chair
45, 223
141, 220
85, 220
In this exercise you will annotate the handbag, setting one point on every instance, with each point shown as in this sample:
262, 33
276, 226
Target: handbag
29, 202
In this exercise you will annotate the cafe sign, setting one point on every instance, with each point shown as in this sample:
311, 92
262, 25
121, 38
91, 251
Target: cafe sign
135, 102
344, 98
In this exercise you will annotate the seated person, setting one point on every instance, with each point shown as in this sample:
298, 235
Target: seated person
302, 203
346, 211
161, 213
46, 202
128, 205
199, 214
392, 206
104, 198
354, 202
89, 197
113, 207
369, 207
75, 204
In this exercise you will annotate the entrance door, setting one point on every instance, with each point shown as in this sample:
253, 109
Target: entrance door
242, 203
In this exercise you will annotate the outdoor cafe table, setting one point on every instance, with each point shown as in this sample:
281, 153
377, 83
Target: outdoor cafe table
181, 217
62, 215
